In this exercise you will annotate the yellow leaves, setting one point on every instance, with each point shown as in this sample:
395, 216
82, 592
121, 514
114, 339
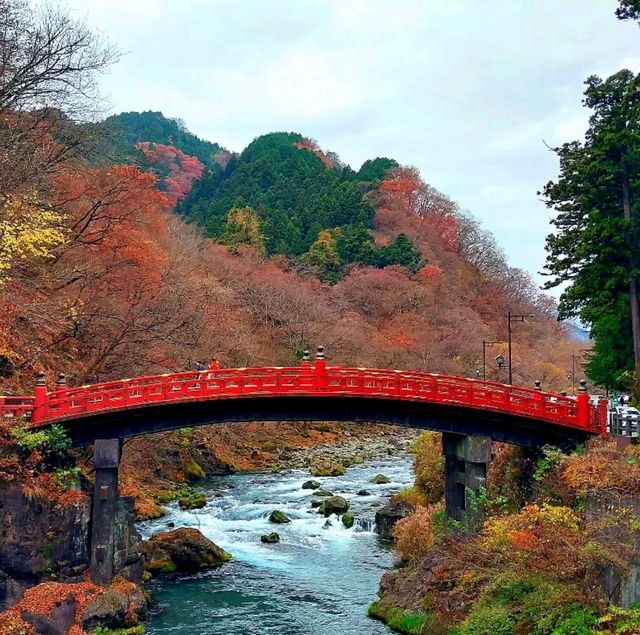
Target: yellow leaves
243, 227
28, 232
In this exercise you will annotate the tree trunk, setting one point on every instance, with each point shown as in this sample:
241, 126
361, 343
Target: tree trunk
633, 281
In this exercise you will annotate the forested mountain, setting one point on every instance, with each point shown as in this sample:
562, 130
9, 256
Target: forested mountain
301, 201
130, 128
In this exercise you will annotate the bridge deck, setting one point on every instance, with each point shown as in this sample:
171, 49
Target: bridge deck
65, 404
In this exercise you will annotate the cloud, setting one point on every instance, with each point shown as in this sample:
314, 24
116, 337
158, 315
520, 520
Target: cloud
467, 91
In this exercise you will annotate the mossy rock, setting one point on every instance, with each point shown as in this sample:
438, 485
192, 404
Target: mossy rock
321, 508
279, 517
192, 471
161, 566
311, 485
335, 505
364, 492
195, 500
348, 519
316, 503
270, 538
183, 550
379, 479
323, 493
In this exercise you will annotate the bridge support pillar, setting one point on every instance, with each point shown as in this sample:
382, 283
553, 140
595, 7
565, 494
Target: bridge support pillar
465, 464
106, 459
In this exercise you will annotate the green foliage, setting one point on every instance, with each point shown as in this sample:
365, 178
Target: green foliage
375, 169
134, 630
298, 199
596, 241
551, 458
52, 443
67, 478
488, 620
403, 252
622, 621
397, 619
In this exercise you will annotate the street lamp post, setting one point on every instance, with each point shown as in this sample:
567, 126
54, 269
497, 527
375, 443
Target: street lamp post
486, 343
513, 318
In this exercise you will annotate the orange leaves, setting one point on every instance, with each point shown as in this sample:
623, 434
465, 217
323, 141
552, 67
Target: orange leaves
416, 534
603, 468
523, 539
542, 537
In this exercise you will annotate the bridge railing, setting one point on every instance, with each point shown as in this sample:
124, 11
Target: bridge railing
16, 407
309, 380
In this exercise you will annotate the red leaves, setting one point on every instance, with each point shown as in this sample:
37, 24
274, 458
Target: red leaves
183, 168
42, 599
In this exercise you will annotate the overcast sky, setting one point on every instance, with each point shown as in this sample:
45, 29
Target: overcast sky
467, 91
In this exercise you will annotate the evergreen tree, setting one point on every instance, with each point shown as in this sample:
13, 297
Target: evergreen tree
595, 245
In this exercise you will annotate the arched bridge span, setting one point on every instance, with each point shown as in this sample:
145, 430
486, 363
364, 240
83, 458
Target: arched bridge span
311, 392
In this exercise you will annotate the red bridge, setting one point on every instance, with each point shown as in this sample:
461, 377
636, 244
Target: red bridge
469, 413
311, 391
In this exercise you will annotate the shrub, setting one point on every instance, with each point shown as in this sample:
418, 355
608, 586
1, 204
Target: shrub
488, 620
416, 534
545, 538
413, 496
429, 465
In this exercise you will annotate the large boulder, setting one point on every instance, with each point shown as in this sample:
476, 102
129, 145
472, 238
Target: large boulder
183, 550
389, 515
335, 505
123, 605
379, 479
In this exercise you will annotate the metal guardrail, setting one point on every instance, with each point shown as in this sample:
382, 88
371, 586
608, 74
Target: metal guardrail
623, 425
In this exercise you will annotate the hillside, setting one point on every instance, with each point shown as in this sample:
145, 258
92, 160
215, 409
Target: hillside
375, 264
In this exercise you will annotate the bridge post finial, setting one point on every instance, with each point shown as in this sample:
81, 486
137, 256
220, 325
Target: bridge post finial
306, 362
39, 397
538, 385
320, 364
61, 382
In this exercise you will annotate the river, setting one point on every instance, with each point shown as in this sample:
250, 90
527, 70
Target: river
318, 580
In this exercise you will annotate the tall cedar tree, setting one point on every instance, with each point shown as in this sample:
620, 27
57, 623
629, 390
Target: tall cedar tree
595, 245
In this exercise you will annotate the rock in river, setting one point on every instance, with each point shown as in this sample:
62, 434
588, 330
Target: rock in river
311, 485
279, 517
335, 505
348, 519
389, 515
270, 538
379, 479
183, 550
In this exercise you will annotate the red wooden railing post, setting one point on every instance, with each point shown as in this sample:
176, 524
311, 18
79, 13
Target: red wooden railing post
320, 368
39, 398
583, 405
603, 407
